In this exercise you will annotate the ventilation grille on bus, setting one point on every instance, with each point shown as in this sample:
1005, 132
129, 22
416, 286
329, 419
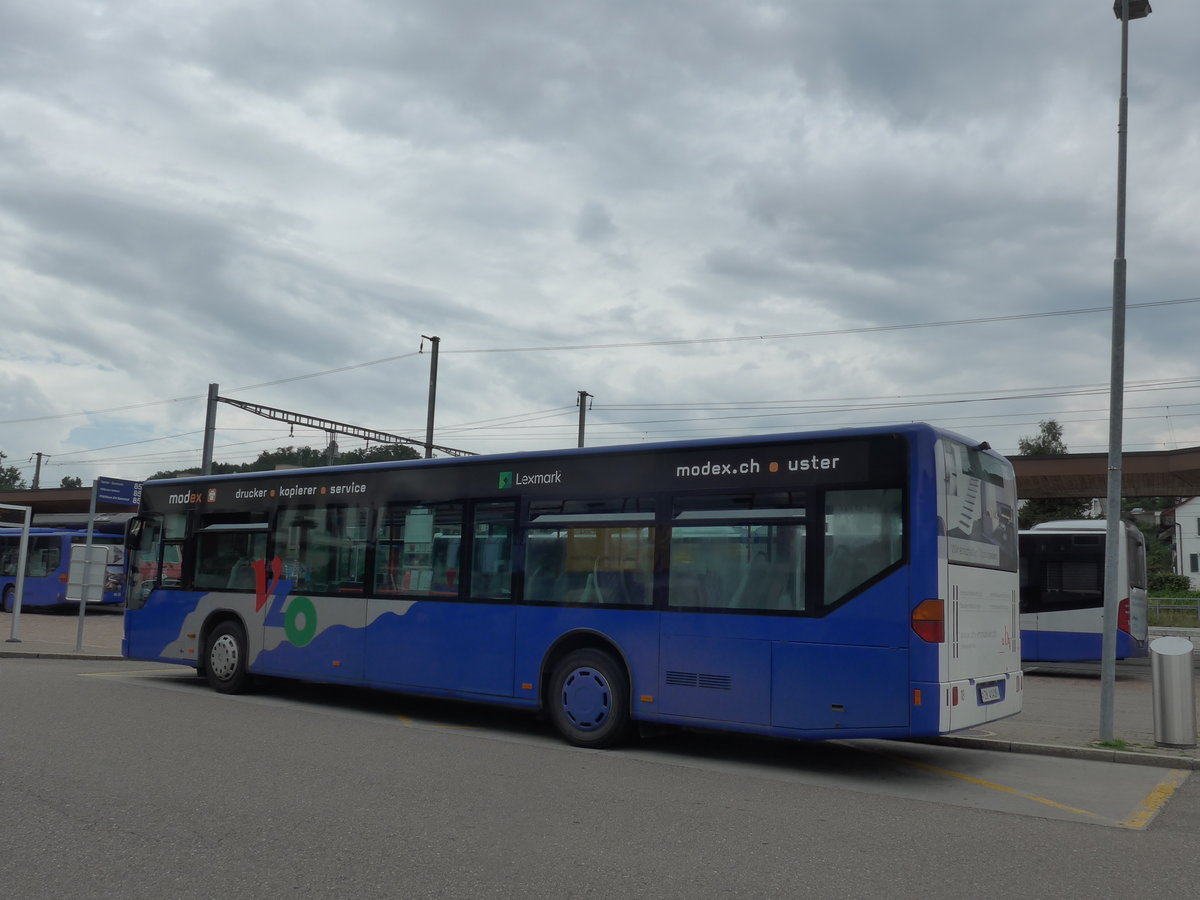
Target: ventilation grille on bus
696, 679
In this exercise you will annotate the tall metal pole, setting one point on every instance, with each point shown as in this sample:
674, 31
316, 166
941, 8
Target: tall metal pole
88, 543
1115, 528
583, 396
433, 359
210, 429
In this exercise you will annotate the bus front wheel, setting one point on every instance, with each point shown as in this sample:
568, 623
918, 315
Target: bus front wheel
225, 659
589, 699
10, 599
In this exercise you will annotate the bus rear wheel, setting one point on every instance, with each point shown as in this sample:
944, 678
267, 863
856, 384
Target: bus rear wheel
225, 659
10, 599
589, 699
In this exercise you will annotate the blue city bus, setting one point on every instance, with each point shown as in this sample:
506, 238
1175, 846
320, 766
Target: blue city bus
48, 561
838, 584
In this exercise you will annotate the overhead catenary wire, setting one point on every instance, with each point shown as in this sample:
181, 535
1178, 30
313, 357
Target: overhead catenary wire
521, 423
861, 329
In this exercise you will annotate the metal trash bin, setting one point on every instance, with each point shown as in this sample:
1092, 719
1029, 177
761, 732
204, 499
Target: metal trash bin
1174, 692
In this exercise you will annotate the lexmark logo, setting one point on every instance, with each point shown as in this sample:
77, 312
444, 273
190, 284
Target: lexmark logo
518, 479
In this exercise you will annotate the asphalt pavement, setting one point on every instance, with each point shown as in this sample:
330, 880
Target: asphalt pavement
1060, 715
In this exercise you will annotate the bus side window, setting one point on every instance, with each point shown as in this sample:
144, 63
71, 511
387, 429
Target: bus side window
8, 557
544, 550
863, 537
595, 552
739, 552
324, 548
603, 566
225, 556
417, 550
491, 551
45, 554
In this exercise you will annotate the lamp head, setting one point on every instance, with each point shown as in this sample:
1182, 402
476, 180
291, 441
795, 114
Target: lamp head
1138, 9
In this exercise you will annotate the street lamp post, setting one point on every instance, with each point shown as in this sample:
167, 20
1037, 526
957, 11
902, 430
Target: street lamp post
1124, 10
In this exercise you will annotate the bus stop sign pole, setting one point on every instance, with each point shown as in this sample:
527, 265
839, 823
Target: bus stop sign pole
88, 544
110, 490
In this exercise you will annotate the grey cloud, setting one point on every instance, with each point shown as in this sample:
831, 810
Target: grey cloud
594, 224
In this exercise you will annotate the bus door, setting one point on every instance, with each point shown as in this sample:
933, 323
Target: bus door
153, 556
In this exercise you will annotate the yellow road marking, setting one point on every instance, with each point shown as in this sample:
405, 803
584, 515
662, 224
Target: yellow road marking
1156, 799
1138, 820
991, 785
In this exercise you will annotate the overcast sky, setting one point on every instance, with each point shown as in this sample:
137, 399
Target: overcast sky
718, 217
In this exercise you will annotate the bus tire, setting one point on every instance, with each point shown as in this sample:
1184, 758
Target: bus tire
225, 658
588, 700
10, 599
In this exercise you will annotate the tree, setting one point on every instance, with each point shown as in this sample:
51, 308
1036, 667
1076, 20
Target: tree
10, 476
1048, 442
72, 481
303, 457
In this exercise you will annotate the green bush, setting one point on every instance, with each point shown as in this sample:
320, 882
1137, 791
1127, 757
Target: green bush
1168, 584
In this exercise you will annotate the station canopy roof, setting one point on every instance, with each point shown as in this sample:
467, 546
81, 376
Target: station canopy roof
1152, 473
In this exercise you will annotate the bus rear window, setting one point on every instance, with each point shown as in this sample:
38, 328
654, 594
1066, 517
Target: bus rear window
980, 502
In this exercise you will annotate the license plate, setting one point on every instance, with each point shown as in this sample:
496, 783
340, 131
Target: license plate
990, 693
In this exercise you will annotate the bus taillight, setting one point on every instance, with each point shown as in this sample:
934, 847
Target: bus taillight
1123, 615
929, 621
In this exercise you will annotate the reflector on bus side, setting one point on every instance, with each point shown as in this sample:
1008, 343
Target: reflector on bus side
929, 621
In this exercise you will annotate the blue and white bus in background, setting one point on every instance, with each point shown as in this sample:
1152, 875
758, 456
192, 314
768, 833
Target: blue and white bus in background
851, 583
48, 560
1062, 591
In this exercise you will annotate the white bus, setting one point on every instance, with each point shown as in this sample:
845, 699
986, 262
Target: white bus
1062, 591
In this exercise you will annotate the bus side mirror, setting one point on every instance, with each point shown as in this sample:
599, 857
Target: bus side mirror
133, 531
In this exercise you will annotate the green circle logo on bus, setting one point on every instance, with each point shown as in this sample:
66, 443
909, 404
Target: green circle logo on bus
300, 621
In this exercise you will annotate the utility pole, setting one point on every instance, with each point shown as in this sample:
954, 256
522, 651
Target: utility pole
210, 428
435, 341
583, 398
37, 470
